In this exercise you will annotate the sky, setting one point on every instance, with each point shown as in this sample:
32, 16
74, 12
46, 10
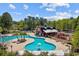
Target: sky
51, 11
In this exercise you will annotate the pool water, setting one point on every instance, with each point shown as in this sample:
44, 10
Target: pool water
39, 44
8, 38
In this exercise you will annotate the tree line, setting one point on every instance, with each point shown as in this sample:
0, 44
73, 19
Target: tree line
71, 24
29, 23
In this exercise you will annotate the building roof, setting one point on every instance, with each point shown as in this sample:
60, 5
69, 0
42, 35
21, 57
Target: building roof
50, 31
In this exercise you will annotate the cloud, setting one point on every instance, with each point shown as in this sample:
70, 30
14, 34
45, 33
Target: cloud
29, 14
59, 15
17, 13
44, 5
12, 6
33, 15
50, 9
77, 11
63, 14
47, 6
53, 6
26, 7
62, 4
37, 15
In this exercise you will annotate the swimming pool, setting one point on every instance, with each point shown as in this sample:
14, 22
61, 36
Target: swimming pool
8, 38
39, 44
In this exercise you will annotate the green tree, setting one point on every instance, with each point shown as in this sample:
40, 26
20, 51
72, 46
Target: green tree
78, 20
51, 23
1, 30
43, 21
60, 24
21, 25
30, 23
6, 21
75, 41
0, 20
77, 28
33, 22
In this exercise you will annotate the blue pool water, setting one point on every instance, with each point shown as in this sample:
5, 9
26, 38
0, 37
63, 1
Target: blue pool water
39, 44
7, 38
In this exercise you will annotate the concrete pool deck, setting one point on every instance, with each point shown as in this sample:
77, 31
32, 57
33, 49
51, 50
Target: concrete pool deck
20, 46
59, 45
